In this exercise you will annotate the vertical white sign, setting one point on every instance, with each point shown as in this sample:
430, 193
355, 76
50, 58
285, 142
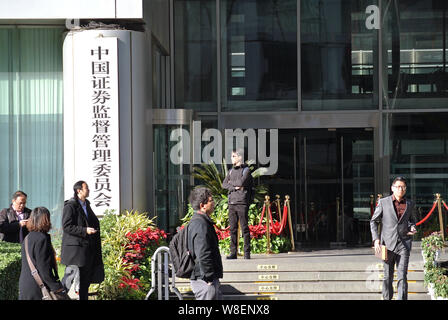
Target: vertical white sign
96, 125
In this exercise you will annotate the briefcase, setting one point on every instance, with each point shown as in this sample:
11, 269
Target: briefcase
383, 254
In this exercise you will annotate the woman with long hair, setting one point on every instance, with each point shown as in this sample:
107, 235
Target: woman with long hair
42, 255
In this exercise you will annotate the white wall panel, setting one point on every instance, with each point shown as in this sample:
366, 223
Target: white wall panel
62, 9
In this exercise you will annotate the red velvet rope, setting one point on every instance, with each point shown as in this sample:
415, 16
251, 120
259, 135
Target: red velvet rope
428, 215
278, 230
262, 215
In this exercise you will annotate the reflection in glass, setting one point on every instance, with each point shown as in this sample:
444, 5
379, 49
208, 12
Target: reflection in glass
326, 172
171, 181
338, 55
195, 54
418, 150
414, 39
259, 55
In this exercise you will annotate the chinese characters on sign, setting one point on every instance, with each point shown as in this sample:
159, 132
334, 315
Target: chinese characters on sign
103, 118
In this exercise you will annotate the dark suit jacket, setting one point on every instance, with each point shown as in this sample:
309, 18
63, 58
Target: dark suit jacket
42, 255
392, 228
79, 248
10, 229
238, 177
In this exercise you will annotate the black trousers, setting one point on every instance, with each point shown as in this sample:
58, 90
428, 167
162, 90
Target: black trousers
85, 277
239, 212
85, 274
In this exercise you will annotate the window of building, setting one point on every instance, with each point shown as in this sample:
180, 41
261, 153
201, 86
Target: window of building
417, 146
161, 79
415, 42
339, 56
259, 55
31, 106
195, 54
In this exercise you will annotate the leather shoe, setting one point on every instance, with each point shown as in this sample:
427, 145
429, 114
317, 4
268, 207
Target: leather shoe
247, 256
231, 257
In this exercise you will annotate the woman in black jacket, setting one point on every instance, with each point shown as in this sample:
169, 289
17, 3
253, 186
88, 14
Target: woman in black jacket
42, 255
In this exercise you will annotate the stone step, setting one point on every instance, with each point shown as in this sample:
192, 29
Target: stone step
320, 265
306, 287
312, 296
322, 296
287, 276
341, 274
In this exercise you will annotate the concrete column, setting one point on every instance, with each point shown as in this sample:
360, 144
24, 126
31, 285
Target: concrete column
128, 91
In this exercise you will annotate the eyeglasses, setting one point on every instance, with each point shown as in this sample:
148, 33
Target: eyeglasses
400, 187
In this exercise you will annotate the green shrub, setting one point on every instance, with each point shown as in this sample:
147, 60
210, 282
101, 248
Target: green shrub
435, 276
258, 242
10, 266
125, 278
278, 244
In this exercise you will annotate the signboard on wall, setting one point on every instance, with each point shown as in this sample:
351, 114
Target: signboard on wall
96, 122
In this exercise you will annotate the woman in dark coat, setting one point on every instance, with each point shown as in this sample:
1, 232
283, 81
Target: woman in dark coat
42, 255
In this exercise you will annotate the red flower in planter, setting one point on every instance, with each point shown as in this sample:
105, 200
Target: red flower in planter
131, 283
222, 234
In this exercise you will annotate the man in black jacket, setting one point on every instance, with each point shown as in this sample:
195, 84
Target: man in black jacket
81, 242
238, 182
14, 218
203, 242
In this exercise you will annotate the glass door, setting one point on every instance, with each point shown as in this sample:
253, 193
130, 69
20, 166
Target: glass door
171, 181
336, 181
321, 184
329, 174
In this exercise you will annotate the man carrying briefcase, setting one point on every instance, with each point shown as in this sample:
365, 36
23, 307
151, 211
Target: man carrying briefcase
397, 216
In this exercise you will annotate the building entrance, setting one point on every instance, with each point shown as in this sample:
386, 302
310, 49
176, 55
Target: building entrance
330, 174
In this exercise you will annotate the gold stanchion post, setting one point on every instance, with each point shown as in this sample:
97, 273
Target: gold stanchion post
378, 197
277, 200
338, 218
439, 207
290, 223
268, 232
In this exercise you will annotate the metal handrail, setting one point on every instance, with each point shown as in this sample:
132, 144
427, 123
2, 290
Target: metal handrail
160, 276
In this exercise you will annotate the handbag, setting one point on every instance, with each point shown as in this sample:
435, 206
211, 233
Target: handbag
46, 293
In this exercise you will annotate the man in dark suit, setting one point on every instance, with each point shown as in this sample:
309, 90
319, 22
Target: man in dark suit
81, 242
238, 182
397, 216
14, 218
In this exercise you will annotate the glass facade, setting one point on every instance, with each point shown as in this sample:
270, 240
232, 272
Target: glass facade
195, 54
338, 56
417, 145
414, 39
330, 176
259, 55
171, 181
347, 56
31, 106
